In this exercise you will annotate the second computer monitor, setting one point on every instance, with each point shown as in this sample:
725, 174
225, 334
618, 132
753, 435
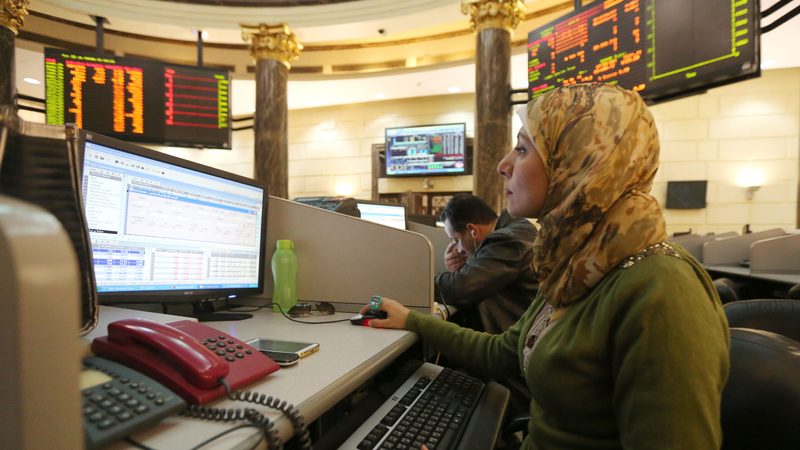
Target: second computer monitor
389, 214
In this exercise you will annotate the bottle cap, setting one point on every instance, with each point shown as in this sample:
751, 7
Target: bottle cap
285, 243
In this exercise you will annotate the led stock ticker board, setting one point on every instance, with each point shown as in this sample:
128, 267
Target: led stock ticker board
661, 48
138, 100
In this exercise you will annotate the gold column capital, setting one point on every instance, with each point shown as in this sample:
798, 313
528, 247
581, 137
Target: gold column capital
12, 14
272, 42
505, 14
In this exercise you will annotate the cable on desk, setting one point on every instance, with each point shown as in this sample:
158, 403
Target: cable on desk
255, 419
285, 315
300, 428
207, 441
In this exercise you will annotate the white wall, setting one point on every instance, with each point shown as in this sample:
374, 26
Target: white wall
749, 126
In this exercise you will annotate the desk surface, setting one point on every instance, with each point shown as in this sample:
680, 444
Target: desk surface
348, 356
785, 278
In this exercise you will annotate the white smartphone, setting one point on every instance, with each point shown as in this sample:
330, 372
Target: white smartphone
301, 349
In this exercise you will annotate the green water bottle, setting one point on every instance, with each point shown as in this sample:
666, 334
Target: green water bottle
284, 274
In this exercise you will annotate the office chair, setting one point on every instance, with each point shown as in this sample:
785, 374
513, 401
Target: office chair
761, 401
794, 292
779, 316
727, 289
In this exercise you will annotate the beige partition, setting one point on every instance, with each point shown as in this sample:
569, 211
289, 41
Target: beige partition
776, 255
693, 243
735, 249
39, 323
439, 240
345, 260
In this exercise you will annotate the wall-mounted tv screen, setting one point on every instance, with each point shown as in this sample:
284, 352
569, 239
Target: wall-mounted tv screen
662, 49
427, 150
138, 100
686, 194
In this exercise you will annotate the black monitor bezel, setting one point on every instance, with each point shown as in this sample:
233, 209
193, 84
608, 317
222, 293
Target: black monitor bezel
177, 296
373, 202
467, 155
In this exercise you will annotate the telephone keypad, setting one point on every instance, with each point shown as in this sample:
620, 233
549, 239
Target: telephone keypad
128, 403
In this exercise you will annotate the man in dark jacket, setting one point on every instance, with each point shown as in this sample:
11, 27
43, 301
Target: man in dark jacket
489, 277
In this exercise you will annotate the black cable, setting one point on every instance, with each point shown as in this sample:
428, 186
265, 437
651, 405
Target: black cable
300, 428
781, 20
229, 430
250, 415
138, 444
286, 315
778, 5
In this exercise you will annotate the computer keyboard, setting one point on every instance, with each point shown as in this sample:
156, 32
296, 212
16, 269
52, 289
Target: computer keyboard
432, 407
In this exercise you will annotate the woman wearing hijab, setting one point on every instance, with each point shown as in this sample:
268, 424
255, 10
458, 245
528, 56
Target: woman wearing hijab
626, 344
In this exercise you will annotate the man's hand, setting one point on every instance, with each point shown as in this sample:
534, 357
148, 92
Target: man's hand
454, 259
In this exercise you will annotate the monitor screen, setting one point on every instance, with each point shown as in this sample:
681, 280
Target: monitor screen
137, 99
163, 228
426, 150
686, 194
663, 49
389, 214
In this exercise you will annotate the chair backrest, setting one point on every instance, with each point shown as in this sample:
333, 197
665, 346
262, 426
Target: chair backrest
779, 316
794, 292
726, 288
761, 401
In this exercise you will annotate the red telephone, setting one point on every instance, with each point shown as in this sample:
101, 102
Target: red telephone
185, 356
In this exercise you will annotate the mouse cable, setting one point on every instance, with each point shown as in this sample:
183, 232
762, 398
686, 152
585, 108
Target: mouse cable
137, 444
284, 314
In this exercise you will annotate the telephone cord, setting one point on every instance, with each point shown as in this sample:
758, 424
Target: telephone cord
301, 430
229, 415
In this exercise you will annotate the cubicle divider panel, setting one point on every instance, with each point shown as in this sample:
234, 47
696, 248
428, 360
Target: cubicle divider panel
693, 243
345, 260
732, 251
776, 255
439, 240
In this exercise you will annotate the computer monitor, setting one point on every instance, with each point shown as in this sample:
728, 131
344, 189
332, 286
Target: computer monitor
686, 194
428, 150
168, 230
389, 214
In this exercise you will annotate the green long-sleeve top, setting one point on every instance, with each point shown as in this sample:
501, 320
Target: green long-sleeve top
639, 363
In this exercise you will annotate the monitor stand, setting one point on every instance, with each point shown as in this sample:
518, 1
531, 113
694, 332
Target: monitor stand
204, 312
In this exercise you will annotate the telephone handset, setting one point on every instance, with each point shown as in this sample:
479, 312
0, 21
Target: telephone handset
188, 357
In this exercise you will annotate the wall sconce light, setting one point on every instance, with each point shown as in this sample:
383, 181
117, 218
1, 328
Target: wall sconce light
751, 179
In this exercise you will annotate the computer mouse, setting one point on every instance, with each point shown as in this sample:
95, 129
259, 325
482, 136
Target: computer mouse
366, 318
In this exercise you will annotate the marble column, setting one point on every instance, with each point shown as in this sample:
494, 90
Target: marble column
273, 48
12, 15
494, 22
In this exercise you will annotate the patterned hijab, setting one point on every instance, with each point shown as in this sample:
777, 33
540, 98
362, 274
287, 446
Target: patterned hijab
600, 147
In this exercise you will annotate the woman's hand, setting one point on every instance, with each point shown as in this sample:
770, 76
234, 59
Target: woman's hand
395, 315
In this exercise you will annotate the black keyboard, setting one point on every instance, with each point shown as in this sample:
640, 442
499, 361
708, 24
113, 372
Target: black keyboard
432, 407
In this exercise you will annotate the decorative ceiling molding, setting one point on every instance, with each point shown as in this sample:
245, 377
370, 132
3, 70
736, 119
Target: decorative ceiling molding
563, 6
259, 3
210, 16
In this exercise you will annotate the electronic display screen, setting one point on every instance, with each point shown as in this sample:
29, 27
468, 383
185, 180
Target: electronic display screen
661, 48
426, 150
686, 194
159, 224
138, 100
391, 215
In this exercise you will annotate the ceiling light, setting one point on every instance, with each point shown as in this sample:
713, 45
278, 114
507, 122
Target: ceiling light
454, 89
30, 80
